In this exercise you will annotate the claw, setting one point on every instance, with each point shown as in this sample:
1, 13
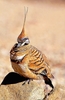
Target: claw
27, 81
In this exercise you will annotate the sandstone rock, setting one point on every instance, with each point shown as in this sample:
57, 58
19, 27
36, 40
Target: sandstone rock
58, 94
12, 88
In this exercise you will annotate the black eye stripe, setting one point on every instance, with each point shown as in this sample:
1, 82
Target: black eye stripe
23, 39
15, 46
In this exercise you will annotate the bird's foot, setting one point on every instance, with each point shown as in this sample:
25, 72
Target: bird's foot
27, 81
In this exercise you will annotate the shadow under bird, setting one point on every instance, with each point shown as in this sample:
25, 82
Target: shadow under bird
28, 61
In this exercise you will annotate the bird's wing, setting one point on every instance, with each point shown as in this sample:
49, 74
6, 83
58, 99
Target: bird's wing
37, 61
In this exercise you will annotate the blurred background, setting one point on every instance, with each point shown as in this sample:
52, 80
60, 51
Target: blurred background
45, 27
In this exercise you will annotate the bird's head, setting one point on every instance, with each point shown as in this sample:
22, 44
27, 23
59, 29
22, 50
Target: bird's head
23, 38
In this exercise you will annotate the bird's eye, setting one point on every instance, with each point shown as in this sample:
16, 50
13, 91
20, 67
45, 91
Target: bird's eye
15, 46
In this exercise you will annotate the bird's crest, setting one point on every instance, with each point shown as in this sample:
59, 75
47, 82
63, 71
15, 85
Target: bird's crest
23, 34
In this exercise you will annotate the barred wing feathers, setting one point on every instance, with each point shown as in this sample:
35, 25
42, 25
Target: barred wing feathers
38, 62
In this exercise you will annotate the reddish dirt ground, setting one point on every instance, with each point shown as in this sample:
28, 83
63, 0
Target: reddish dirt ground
45, 26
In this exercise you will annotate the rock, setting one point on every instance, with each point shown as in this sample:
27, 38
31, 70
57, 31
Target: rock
15, 90
18, 91
58, 94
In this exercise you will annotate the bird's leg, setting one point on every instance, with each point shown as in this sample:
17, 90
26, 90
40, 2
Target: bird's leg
27, 81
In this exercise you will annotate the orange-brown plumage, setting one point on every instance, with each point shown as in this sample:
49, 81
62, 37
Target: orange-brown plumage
28, 61
22, 34
34, 60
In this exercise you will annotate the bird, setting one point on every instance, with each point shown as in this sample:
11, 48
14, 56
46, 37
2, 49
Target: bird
28, 61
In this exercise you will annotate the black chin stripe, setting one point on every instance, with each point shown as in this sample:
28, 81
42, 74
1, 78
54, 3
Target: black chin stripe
16, 61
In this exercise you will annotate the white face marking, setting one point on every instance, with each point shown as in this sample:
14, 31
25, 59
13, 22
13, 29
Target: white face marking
20, 57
